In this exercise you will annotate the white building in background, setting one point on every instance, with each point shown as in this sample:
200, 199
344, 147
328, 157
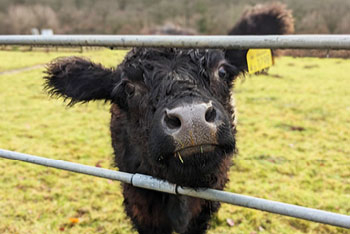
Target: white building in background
35, 31
43, 32
46, 32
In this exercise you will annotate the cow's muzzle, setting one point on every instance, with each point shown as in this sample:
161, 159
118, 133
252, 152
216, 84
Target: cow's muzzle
193, 127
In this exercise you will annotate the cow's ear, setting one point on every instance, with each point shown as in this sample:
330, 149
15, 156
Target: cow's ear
238, 58
80, 80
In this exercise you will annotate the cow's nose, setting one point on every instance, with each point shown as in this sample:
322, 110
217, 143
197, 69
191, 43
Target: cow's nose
192, 124
189, 116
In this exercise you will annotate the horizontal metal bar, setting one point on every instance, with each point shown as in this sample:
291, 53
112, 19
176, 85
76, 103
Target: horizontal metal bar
295, 211
148, 182
68, 166
228, 42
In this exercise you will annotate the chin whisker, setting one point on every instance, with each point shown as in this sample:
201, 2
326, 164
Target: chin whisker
181, 160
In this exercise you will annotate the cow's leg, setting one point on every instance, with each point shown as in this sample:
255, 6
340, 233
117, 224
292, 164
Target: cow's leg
179, 212
147, 210
200, 223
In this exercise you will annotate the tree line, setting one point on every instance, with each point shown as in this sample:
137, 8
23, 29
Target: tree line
135, 17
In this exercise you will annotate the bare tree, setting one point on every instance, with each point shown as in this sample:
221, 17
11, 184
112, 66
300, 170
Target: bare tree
20, 19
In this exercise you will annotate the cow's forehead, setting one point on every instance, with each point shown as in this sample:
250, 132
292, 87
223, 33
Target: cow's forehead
172, 63
155, 55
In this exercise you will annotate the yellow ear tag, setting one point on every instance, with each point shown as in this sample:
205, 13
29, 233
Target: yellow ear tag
258, 60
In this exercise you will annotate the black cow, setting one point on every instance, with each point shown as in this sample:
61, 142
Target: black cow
172, 118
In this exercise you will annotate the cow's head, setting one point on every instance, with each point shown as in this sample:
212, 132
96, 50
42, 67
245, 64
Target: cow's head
175, 106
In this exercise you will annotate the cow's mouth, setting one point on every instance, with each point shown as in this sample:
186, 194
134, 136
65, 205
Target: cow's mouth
196, 149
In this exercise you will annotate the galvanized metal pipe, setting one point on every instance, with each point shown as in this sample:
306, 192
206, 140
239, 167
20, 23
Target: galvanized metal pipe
68, 166
148, 182
223, 42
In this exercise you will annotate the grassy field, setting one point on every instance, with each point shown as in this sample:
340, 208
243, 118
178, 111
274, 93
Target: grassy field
294, 134
24, 59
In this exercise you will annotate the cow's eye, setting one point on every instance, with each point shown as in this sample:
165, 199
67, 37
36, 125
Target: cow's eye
222, 72
129, 89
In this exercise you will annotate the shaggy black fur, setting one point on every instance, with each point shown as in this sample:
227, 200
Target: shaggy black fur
148, 82
265, 19
275, 18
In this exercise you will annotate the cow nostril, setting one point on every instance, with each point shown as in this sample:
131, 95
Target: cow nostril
210, 114
172, 121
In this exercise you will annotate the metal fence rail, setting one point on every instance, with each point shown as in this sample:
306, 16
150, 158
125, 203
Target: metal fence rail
148, 182
223, 42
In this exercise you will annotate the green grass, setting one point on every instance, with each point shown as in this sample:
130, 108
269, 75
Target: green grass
20, 59
293, 139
